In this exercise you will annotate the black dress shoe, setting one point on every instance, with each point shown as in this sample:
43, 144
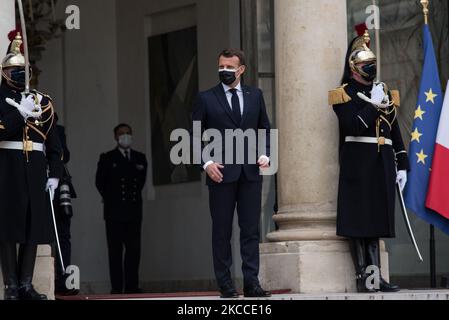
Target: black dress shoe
67, 292
113, 291
228, 293
29, 293
133, 291
256, 292
387, 287
11, 293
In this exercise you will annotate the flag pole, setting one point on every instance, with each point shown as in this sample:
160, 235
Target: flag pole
433, 267
432, 247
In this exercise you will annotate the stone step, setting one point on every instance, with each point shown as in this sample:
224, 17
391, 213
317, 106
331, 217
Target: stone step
401, 295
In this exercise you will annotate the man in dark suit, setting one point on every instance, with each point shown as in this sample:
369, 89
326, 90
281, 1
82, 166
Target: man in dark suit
231, 105
120, 178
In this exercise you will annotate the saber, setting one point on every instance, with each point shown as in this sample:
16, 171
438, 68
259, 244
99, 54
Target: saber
25, 46
379, 77
407, 222
377, 35
50, 193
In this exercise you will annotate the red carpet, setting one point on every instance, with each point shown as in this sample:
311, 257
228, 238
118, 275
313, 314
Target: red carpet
185, 295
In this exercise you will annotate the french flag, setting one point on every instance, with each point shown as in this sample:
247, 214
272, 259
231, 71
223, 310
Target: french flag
438, 191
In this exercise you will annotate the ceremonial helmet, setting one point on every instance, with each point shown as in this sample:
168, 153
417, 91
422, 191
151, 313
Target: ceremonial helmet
14, 57
361, 53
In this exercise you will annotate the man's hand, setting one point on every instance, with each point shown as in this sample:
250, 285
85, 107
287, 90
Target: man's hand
264, 162
213, 171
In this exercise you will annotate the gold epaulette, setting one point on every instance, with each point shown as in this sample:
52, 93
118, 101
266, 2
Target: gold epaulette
395, 97
339, 96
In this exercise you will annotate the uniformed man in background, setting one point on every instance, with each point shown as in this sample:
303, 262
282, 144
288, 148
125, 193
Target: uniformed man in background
120, 178
29, 145
63, 214
372, 159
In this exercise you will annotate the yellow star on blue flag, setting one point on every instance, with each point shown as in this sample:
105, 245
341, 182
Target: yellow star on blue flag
430, 96
419, 113
422, 157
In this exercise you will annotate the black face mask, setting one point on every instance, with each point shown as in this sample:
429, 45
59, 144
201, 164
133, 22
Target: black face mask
227, 77
18, 78
371, 71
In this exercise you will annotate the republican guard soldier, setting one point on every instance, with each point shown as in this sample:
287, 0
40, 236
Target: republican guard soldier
372, 159
29, 146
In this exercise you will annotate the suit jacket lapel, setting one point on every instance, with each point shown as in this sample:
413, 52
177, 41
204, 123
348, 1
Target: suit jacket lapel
246, 102
221, 96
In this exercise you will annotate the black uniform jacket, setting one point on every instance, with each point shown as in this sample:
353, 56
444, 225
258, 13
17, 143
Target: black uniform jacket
120, 183
366, 197
25, 214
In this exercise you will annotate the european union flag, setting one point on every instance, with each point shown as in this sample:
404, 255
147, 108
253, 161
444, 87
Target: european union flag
425, 127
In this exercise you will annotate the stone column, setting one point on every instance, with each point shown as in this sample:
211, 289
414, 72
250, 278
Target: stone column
306, 256
44, 270
7, 23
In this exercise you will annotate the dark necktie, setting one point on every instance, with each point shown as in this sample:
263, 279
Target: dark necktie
127, 155
236, 106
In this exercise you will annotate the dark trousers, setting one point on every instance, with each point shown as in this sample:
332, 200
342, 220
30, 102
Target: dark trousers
124, 239
63, 223
223, 199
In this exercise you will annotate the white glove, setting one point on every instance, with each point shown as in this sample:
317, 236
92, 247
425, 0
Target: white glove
401, 179
52, 184
378, 96
27, 107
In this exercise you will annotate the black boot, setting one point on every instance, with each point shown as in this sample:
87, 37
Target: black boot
8, 257
27, 259
358, 256
373, 257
